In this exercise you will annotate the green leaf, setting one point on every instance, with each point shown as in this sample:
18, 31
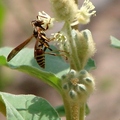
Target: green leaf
61, 110
27, 107
3, 60
87, 110
90, 65
24, 61
115, 42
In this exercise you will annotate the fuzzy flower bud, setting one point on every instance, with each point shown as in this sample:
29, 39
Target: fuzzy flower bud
64, 10
78, 46
85, 46
84, 14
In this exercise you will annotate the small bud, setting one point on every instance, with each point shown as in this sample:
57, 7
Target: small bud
81, 75
64, 76
89, 83
72, 73
72, 94
80, 88
65, 86
88, 79
82, 72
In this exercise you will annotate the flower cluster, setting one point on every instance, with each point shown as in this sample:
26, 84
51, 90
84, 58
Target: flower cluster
46, 19
78, 85
84, 13
67, 10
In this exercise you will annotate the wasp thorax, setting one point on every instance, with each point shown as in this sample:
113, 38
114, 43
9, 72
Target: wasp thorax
78, 85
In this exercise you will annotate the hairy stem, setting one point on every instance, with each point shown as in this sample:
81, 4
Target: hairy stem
82, 112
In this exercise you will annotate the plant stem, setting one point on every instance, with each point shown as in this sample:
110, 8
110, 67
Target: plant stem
67, 107
82, 112
74, 109
74, 56
75, 26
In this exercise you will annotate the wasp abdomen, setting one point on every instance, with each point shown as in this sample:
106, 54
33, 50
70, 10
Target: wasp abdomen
40, 58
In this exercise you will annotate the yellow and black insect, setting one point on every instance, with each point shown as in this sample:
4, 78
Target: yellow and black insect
40, 46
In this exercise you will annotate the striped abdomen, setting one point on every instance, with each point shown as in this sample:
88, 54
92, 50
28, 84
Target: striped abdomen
40, 57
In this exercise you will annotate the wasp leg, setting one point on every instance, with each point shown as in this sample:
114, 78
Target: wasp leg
55, 54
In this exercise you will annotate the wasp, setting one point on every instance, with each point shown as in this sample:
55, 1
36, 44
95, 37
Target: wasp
41, 43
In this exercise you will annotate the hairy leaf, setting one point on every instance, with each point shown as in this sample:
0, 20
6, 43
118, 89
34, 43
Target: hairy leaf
27, 107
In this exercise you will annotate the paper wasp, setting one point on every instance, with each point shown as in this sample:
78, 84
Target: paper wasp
41, 42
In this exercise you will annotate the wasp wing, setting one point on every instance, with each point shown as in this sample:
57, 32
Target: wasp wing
18, 48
